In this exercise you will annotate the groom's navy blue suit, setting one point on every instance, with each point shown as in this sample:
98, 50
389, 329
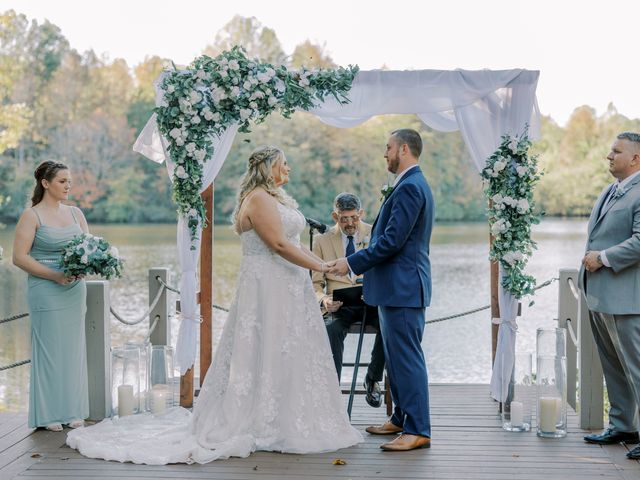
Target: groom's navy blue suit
397, 278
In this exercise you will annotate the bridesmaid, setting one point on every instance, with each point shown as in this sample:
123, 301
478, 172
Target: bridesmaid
58, 393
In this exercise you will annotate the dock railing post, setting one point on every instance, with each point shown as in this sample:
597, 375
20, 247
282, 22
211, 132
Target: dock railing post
98, 337
591, 377
568, 319
161, 335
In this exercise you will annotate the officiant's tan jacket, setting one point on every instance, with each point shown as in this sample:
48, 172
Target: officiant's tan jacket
329, 246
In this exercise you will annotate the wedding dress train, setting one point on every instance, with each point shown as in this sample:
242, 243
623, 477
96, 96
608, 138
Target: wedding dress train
271, 386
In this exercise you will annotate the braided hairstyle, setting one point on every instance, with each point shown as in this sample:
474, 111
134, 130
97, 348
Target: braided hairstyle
45, 171
259, 174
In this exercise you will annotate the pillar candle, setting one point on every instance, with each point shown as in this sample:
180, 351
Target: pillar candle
159, 395
517, 414
547, 414
125, 400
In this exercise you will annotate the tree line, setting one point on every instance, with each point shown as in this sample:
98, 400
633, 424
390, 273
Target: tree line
86, 110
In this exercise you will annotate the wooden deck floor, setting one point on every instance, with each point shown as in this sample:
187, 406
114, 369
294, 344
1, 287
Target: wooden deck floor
468, 443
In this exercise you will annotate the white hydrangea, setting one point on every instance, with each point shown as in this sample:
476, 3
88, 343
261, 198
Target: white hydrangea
245, 113
195, 97
513, 257
521, 170
500, 226
218, 94
513, 145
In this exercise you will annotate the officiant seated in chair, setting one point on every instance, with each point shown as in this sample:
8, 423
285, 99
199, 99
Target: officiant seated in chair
347, 236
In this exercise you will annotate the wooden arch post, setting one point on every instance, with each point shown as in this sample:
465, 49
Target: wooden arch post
205, 298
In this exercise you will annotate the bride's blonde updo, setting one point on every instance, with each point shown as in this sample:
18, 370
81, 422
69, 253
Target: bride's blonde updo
259, 174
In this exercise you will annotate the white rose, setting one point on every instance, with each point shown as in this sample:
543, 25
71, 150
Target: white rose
235, 80
84, 259
191, 147
179, 141
258, 94
270, 72
247, 85
521, 171
114, 252
304, 82
244, 113
180, 172
218, 94
499, 166
195, 120
253, 105
523, 205
234, 65
175, 133
280, 86
235, 91
272, 101
195, 97
200, 154
223, 73
208, 115
201, 74
171, 89
215, 117
223, 61
497, 198
263, 77
510, 201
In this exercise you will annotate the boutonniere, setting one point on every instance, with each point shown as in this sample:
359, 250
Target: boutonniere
386, 191
365, 242
619, 192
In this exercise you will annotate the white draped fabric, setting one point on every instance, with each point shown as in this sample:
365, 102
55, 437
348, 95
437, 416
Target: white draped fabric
482, 104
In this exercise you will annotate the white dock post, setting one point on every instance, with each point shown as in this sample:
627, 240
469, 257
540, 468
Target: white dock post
98, 336
161, 335
568, 313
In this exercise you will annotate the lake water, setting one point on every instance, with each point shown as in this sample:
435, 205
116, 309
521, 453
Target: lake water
457, 350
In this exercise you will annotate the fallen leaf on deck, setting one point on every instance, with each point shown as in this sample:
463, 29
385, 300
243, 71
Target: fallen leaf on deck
36, 455
339, 461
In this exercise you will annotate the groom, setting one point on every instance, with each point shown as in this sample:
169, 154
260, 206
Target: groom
397, 278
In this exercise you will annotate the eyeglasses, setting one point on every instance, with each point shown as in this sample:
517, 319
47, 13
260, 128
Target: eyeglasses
352, 218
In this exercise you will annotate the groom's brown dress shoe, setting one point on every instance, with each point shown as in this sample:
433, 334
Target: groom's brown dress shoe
406, 442
387, 428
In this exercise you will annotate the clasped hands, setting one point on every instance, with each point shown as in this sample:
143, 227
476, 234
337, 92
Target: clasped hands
591, 262
338, 267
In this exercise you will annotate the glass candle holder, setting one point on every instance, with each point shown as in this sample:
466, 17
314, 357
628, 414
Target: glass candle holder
143, 398
516, 411
125, 381
551, 383
162, 379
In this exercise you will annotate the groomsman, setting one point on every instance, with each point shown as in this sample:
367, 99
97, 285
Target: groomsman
348, 235
397, 278
610, 279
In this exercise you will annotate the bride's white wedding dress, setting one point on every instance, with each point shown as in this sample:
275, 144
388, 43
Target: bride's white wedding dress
271, 386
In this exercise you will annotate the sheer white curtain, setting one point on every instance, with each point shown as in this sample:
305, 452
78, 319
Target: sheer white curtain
482, 104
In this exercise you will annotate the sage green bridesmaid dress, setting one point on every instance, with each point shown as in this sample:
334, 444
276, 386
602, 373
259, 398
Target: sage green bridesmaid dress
58, 387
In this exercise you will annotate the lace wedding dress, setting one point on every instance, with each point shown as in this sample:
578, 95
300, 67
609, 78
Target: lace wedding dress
271, 386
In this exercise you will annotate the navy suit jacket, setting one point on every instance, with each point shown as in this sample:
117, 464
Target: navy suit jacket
396, 266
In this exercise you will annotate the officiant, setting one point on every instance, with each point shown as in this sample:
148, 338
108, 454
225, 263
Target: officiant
347, 236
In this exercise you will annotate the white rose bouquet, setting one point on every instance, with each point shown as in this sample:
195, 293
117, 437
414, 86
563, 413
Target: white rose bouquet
87, 254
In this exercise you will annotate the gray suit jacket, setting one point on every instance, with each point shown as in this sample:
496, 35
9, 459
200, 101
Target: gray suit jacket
615, 290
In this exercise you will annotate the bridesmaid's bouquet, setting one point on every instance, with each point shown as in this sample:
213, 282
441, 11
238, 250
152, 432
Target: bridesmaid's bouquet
87, 254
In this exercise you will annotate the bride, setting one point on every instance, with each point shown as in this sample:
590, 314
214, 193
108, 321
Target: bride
272, 384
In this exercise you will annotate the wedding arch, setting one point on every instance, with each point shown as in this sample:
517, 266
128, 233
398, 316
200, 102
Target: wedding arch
200, 110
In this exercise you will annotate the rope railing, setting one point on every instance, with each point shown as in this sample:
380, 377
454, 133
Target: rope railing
16, 364
573, 288
14, 317
572, 333
144, 315
174, 289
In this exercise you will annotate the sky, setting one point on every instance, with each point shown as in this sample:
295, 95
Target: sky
586, 51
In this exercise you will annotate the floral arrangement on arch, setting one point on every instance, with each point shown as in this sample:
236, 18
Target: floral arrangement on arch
509, 178
215, 93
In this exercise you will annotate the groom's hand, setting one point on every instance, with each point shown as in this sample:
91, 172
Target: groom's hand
339, 267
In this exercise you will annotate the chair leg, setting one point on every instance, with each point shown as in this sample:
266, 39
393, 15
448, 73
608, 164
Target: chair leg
354, 379
387, 395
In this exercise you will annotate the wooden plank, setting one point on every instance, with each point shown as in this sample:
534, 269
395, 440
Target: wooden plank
206, 286
468, 442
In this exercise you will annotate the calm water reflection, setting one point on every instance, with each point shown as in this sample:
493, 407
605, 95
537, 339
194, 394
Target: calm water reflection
457, 350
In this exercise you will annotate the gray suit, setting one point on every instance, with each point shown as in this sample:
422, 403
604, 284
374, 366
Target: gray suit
613, 297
